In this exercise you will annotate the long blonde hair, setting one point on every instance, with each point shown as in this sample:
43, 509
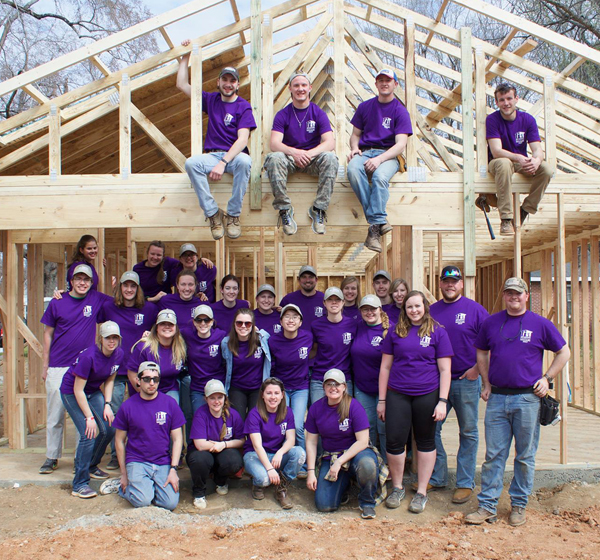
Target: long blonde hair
225, 413
404, 325
178, 347
343, 407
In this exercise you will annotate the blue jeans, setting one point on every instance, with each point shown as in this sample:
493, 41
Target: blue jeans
297, 399
508, 417
198, 167
291, 463
198, 400
464, 398
89, 451
145, 483
374, 196
363, 468
116, 401
377, 427
317, 392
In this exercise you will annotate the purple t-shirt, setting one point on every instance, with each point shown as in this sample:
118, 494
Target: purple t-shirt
149, 278
334, 340
517, 363
183, 309
133, 323
204, 358
224, 120
148, 425
414, 369
247, 371
94, 366
74, 322
206, 426
462, 319
366, 356
515, 135
169, 372
311, 306
269, 323
204, 275
352, 312
302, 128
380, 122
70, 275
289, 359
336, 436
273, 435
224, 315
392, 311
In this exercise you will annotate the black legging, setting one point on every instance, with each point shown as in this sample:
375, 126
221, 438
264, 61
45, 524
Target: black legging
202, 463
400, 411
243, 401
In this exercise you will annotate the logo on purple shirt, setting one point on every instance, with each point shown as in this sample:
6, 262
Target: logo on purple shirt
213, 350
229, 433
318, 312
161, 418
311, 126
258, 353
526, 336
87, 311
347, 338
202, 286
376, 341
345, 425
303, 352
228, 119
283, 428
276, 328
461, 318
114, 369
386, 122
425, 341
519, 137
139, 318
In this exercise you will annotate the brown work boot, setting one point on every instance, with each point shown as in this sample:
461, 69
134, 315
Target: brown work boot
430, 488
233, 228
385, 228
462, 495
216, 224
373, 240
517, 516
282, 493
481, 516
258, 492
507, 227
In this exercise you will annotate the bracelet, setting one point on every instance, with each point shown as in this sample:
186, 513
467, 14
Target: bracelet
381, 400
174, 467
225, 161
272, 469
443, 400
107, 402
225, 444
90, 418
310, 469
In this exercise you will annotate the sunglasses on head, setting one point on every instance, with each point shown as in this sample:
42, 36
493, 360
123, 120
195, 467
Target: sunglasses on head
247, 324
148, 379
206, 320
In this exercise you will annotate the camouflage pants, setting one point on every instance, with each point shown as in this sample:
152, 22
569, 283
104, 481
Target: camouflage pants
279, 166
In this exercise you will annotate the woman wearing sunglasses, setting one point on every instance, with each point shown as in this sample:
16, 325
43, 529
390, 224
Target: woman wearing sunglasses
248, 360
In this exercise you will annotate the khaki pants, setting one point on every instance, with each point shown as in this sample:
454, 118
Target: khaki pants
502, 169
55, 412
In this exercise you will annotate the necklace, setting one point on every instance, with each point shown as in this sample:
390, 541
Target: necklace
300, 122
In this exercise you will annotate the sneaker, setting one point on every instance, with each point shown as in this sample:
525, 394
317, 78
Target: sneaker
98, 474
233, 228
302, 475
216, 224
200, 502
223, 489
113, 464
258, 493
517, 516
481, 516
368, 512
523, 214
84, 492
393, 500
417, 505
507, 227
286, 220
462, 495
318, 217
110, 486
49, 466
385, 228
373, 240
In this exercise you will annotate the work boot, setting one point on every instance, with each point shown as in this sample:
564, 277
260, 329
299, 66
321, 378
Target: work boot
385, 228
318, 217
373, 240
462, 495
233, 228
258, 492
481, 516
507, 227
517, 516
524, 215
282, 493
286, 220
216, 224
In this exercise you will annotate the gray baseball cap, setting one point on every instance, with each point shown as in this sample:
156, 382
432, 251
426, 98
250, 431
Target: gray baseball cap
131, 276
335, 375
109, 328
145, 366
230, 70
83, 269
203, 310
166, 316
292, 307
333, 291
265, 288
371, 300
214, 386
296, 74
383, 273
187, 247
516, 284
307, 268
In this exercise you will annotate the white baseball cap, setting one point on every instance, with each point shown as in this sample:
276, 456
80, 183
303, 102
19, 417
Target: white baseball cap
333, 291
292, 307
131, 276
265, 288
371, 300
83, 269
336, 375
145, 366
187, 247
203, 310
109, 328
166, 316
214, 386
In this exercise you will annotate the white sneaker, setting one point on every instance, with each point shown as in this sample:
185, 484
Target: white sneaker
200, 503
110, 486
223, 490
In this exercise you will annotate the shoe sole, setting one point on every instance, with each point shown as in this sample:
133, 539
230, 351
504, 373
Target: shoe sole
47, 472
78, 495
367, 515
417, 510
463, 500
233, 236
111, 468
518, 524
491, 519
313, 225
97, 477
217, 237
374, 249
384, 230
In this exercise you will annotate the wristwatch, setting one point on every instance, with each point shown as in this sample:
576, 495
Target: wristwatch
175, 467
547, 378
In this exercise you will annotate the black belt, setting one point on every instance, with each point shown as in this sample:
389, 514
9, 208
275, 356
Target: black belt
511, 391
365, 148
215, 150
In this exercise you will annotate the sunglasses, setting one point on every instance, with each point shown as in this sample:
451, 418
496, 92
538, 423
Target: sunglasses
148, 379
206, 320
246, 324
332, 384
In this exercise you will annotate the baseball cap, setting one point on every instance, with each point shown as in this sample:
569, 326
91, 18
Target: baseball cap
214, 386
230, 70
516, 284
296, 74
145, 366
203, 310
83, 269
383, 273
292, 307
335, 375
387, 72
265, 288
371, 300
307, 268
166, 316
109, 328
451, 272
333, 291
131, 276
187, 247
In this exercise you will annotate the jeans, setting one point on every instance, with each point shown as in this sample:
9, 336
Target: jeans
464, 398
508, 417
90, 451
374, 196
202, 463
198, 167
363, 468
297, 399
116, 401
317, 392
145, 483
377, 427
198, 400
55, 412
291, 463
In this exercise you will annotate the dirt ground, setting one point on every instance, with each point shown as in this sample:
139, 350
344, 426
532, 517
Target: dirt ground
46, 522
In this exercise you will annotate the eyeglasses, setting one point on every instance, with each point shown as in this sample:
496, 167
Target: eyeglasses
148, 379
205, 320
332, 384
246, 324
